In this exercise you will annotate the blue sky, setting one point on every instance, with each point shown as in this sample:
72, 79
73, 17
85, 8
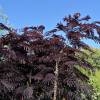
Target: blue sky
47, 12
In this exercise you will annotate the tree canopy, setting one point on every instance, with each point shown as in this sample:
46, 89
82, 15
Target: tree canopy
38, 66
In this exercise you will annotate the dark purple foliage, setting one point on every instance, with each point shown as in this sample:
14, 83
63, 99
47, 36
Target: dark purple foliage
27, 61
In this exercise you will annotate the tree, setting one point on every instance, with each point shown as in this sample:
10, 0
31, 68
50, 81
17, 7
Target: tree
42, 66
94, 78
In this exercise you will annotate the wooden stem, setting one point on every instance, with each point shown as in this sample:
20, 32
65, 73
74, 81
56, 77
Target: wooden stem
55, 82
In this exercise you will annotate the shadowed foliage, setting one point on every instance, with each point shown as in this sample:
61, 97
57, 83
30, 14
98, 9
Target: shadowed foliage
28, 60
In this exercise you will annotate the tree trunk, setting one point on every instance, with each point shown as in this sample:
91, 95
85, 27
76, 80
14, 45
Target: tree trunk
55, 82
56, 76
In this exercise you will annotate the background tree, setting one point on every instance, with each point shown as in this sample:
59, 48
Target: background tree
42, 66
94, 78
